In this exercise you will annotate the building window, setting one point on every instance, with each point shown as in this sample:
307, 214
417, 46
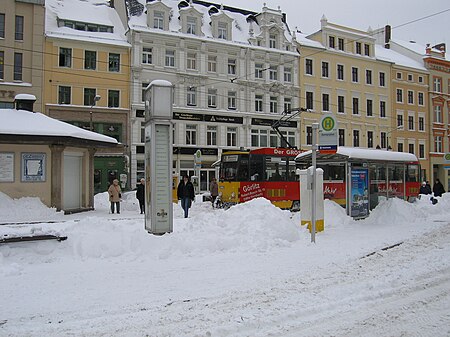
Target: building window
399, 95
355, 105
341, 137
65, 57
2, 65
420, 98
64, 94
367, 49
411, 123
211, 135
212, 98
90, 59
259, 103
273, 73
382, 109
144, 87
273, 104
259, 70
309, 135
18, 65
158, 20
309, 67
309, 100
382, 79
191, 96
191, 62
410, 77
147, 55
399, 76
89, 94
421, 124
341, 104
272, 41
370, 139
113, 98
356, 138
340, 72
232, 100
399, 120
354, 74
331, 42
114, 62
368, 76
231, 136
191, 134
399, 146
369, 106
287, 74
438, 144
222, 31
383, 138
191, 25
421, 151
340, 44
232, 66
411, 148
259, 138
212, 63
410, 97
19, 28
2, 26
437, 113
325, 72
287, 104
358, 48
325, 102
170, 58
437, 84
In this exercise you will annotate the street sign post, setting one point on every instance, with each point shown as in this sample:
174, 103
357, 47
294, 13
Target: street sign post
328, 134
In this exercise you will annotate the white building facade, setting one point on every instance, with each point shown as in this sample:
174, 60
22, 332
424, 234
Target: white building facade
234, 73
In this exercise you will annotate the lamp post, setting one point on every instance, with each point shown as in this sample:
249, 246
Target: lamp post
96, 99
387, 136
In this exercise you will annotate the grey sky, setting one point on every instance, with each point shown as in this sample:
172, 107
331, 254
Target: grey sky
361, 14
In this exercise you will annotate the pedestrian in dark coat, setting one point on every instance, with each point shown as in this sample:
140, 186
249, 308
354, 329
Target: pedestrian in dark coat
115, 195
140, 195
214, 189
425, 189
185, 193
438, 188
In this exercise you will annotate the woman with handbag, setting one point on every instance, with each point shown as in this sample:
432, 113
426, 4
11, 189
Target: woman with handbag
115, 194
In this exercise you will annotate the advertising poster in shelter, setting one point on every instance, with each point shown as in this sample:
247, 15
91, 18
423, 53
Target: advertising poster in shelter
359, 193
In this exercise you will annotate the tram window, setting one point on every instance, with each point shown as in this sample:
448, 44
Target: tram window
396, 173
413, 173
276, 168
242, 171
333, 172
256, 168
292, 176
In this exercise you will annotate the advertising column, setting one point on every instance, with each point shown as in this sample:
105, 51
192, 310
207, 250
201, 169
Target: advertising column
158, 158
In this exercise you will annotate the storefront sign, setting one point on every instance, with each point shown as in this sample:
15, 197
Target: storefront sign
269, 122
207, 118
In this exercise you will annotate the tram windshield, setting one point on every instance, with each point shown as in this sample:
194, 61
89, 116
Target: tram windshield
234, 167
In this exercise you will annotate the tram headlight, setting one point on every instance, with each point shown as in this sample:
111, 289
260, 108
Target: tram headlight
233, 195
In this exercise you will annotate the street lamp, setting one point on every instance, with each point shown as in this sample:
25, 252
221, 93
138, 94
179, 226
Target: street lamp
387, 136
96, 99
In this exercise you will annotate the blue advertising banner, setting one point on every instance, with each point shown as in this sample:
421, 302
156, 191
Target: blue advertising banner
359, 193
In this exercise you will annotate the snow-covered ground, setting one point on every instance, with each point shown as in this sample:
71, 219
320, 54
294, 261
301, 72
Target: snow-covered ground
247, 271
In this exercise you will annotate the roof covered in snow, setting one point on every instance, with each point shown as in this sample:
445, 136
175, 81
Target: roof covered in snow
26, 123
392, 56
92, 13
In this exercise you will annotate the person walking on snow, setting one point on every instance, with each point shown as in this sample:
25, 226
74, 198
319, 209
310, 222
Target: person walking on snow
438, 188
115, 194
214, 189
140, 195
185, 193
425, 189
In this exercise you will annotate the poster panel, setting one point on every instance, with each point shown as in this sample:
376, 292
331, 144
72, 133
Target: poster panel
359, 193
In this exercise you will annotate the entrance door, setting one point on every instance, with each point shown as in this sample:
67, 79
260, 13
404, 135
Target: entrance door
72, 184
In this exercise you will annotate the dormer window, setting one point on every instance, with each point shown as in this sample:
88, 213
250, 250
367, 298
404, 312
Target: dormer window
222, 31
367, 49
272, 41
158, 20
191, 25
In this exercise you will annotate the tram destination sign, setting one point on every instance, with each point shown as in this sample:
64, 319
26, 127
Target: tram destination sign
328, 134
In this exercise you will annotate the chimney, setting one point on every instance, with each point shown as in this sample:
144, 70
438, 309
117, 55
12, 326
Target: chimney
428, 49
441, 48
387, 36
24, 102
